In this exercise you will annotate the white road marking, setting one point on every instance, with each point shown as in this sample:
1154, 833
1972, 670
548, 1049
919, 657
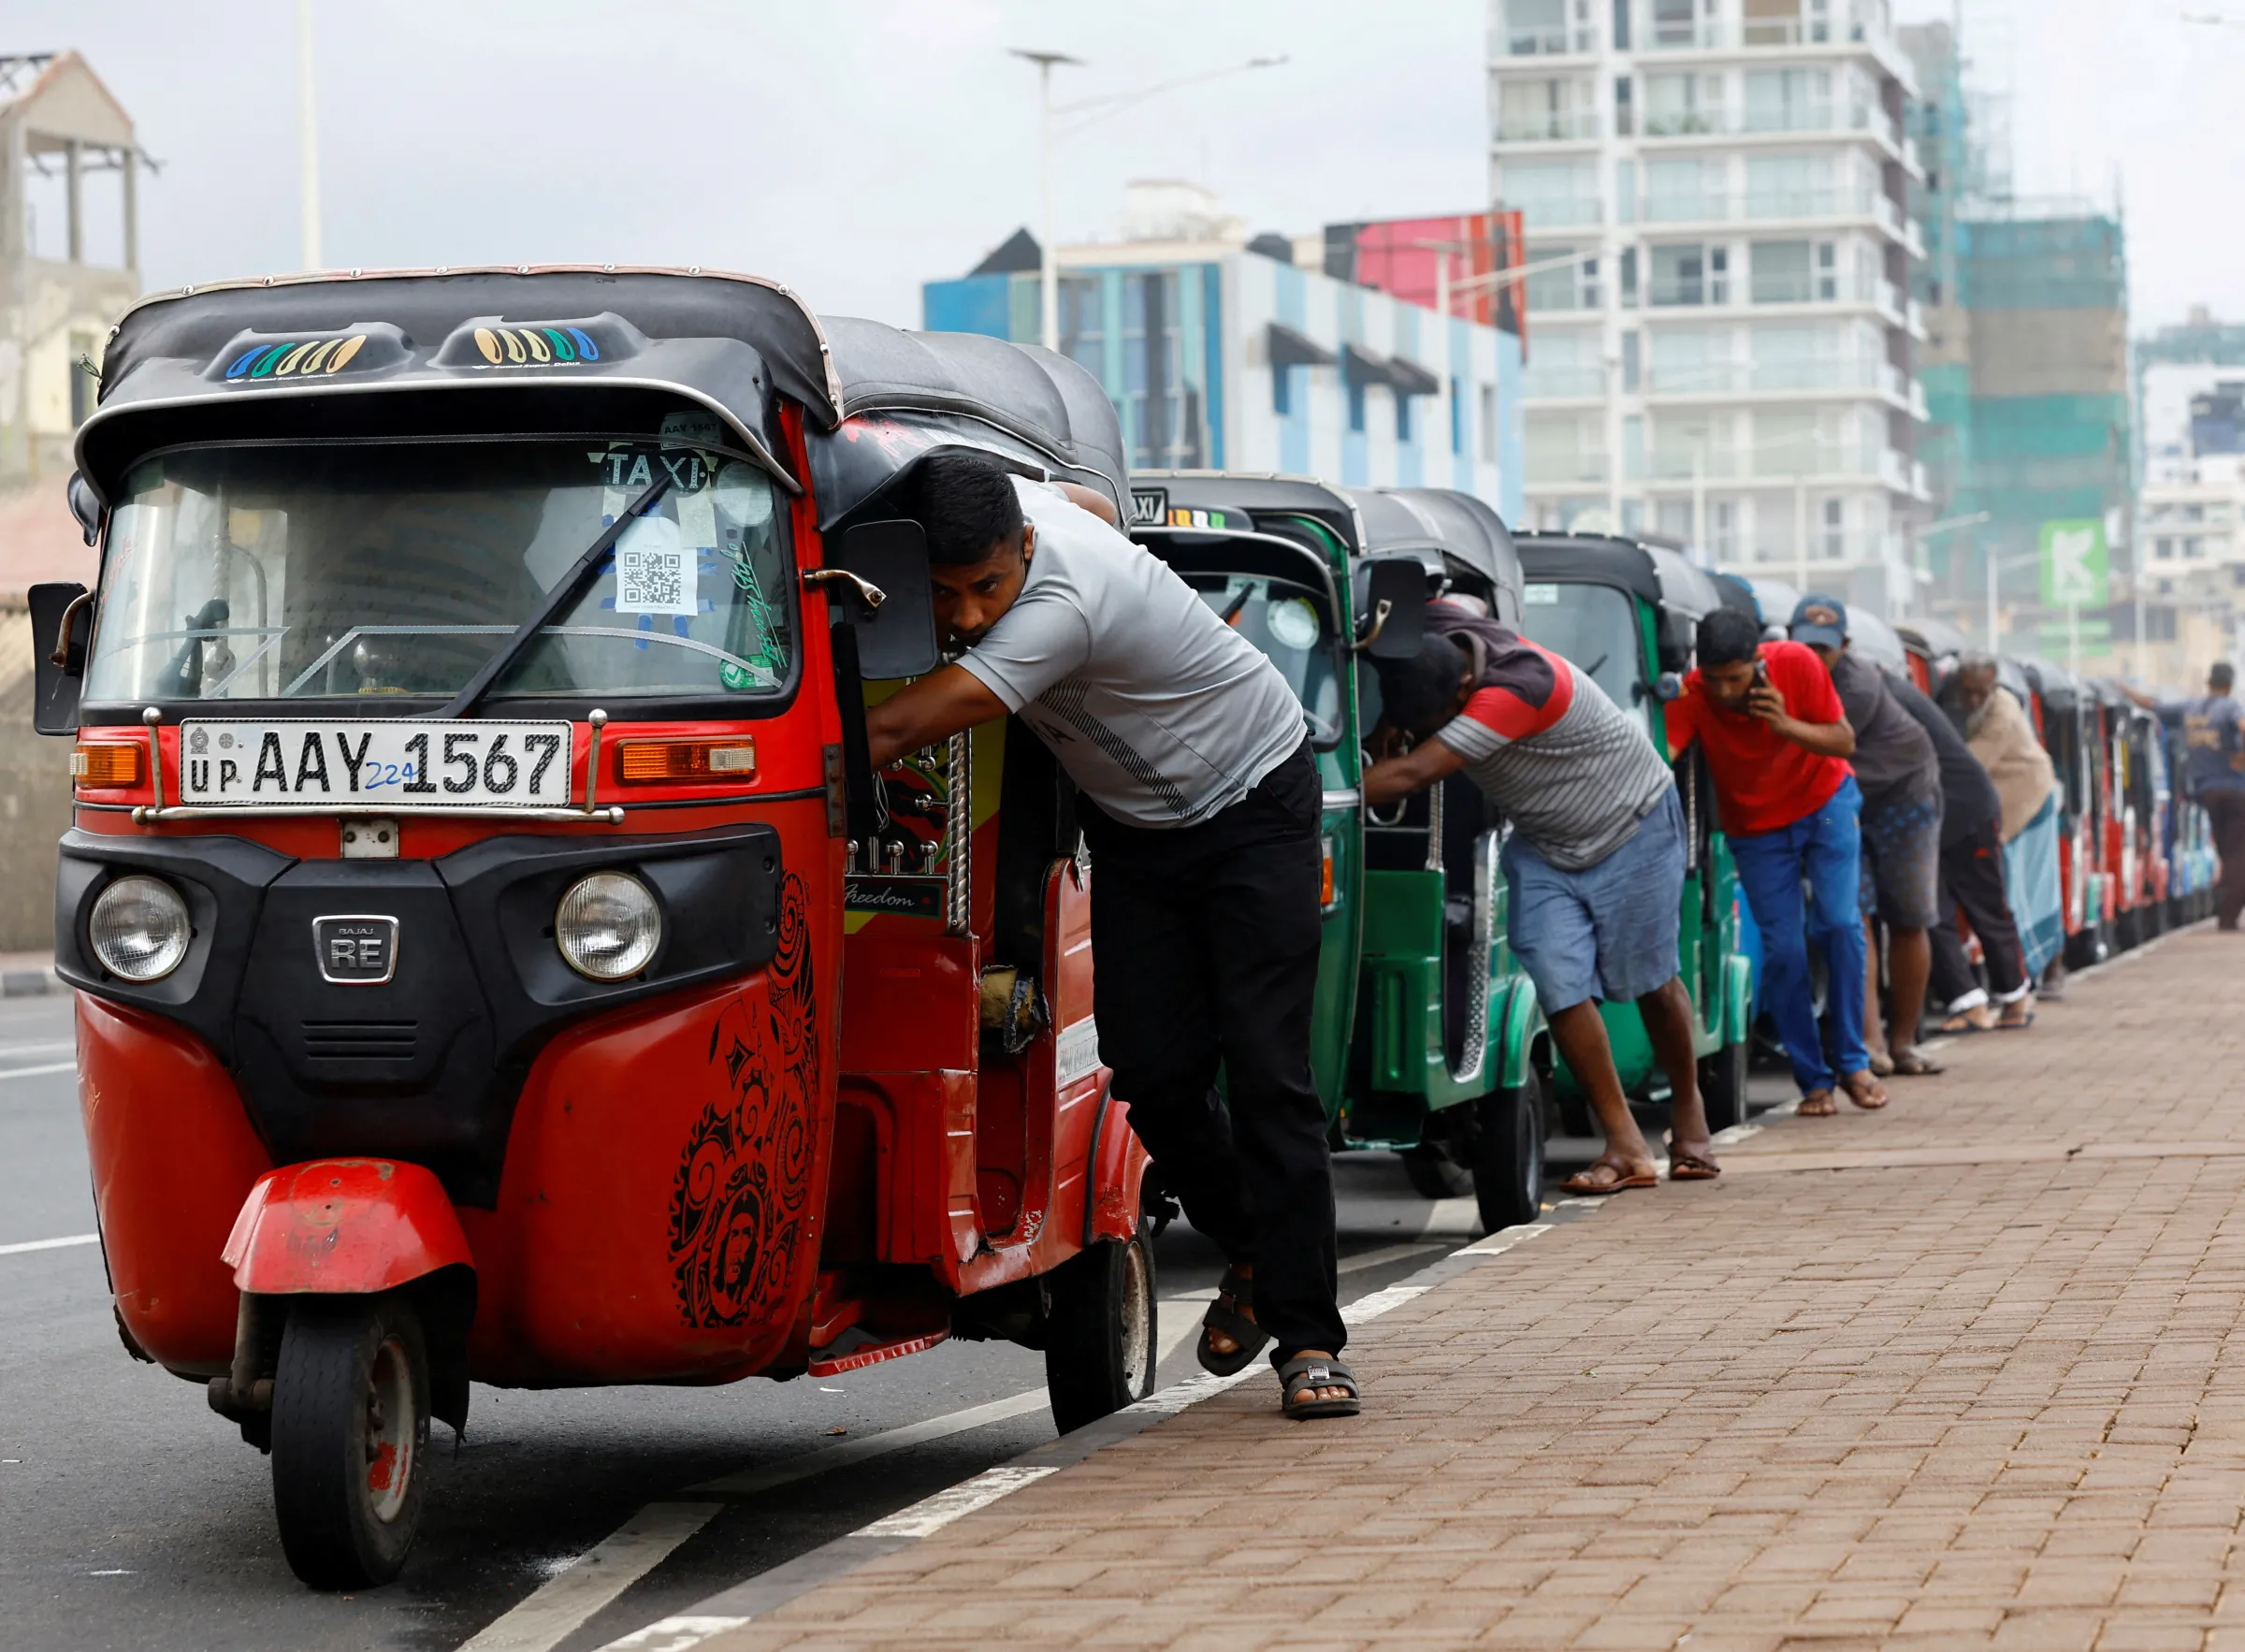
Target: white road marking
41, 1048
674, 1634
53, 1244
1460, 1217
556, 1608
1384, 1255
1504, 1239
52, 1066
931, 1515
873, 1445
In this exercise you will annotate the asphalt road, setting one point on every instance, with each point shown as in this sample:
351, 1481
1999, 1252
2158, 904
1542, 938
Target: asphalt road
133, 1517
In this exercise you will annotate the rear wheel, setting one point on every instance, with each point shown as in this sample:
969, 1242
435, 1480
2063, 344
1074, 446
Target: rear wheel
1100, 1340
350, 1434
1434, 1174
1723, 1085
1508, 1154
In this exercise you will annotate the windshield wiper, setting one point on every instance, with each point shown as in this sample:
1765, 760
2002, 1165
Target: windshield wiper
566, 592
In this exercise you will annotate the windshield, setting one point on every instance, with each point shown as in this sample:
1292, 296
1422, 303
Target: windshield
1594, 627
315, 572
1284, 620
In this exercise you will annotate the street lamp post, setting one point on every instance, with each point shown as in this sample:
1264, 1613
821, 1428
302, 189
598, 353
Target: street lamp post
1048, 269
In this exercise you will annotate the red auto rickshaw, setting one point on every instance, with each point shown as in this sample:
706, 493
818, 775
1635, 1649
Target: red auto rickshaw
496, 960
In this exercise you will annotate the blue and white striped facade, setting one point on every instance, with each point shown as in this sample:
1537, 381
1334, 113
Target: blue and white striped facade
1229, 407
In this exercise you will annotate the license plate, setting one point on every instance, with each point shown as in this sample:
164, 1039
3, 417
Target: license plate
310, 761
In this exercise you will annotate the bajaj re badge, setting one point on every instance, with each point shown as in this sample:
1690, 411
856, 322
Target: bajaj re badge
356, 951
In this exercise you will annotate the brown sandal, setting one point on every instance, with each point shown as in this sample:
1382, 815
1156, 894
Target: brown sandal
1583, 1183
1855, 1084
1689, 1167
1817, 1103
1912, 1064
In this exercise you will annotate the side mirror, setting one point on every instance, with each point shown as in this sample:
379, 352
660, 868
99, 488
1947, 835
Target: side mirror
896, 630
1670, 688
62, 625
1675, 638
1392, 623
86, 508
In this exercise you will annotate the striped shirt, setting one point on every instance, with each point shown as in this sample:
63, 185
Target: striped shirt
1573, 774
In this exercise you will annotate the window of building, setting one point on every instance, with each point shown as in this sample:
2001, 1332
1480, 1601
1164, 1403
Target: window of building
1835, 530
1553, 195
1628, 278
1282, 391
1789, 100
1083, 321
1677, 105
1625, 112
1402, 416
1631, 361
1672, 517
1543, 110
1691, 189
2193, 548
1691, 273
1793, 272
1161, 413
1676, 24
1489, 424
1457, 415
1632, 447
1722, 529
1563, 285
2164, 550
1355, 405
1621, 25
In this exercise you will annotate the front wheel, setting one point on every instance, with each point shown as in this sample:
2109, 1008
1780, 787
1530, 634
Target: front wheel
1508, 1154
1723, 1085
350, 1431
1100, 1343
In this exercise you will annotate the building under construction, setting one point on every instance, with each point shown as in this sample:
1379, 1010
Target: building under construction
2025, 371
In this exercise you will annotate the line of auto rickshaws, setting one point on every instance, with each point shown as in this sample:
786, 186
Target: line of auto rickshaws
1427, 1041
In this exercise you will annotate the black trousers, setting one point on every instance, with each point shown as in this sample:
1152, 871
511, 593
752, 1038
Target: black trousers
2227, 810
1207, 938
1971, 878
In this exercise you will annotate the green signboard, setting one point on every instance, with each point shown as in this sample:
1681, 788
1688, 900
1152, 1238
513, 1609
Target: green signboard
2075, 570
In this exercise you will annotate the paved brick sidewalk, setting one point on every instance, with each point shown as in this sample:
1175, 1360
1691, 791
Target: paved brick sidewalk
1827, 1401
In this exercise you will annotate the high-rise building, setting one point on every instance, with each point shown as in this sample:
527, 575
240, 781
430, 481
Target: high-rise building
1721, 263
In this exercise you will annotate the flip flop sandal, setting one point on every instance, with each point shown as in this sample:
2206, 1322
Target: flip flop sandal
1310, 1371
1689, 1167
2015, 1026
1869, 1106
1580, 1186
1960, 1028
1819, 1105
1882, 1065
1910, 1065
1251, 1339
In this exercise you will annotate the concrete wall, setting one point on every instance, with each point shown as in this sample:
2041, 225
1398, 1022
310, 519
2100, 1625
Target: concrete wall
35, 800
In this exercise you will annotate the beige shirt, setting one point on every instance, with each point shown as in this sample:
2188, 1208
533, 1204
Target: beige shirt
2015, 761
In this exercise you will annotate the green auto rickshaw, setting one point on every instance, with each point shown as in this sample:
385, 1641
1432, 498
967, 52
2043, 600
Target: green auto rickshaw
1626, 613
1424, 1025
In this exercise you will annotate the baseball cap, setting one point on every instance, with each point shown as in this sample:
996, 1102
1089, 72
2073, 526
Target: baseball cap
1821, 622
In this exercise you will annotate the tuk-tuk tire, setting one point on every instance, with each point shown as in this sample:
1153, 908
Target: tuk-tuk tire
1433, 1174
1723, 1085
329, 1486
1508, 1154
1102, 1336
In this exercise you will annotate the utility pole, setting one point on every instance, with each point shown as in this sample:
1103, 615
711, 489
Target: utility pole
1048, 269
308, 137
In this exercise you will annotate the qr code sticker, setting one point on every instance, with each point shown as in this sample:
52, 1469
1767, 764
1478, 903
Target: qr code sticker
654, 570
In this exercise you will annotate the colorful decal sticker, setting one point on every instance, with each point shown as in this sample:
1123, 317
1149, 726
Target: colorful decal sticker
741, 1198
1076, 1052
295, 359
536, 345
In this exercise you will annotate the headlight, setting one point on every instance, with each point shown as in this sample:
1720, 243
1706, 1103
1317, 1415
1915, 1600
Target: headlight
608, 926
138, 928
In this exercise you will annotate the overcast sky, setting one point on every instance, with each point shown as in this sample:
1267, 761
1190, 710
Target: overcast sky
857, 149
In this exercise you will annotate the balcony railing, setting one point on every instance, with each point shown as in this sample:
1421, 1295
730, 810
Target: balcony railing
1558, 42
1822, 115
1729, 35
1737, 378
1768, 206
1555, 382
1553, 126
1560, 213
1560, 469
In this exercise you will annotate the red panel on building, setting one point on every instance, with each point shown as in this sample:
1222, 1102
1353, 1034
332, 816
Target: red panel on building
1402, 256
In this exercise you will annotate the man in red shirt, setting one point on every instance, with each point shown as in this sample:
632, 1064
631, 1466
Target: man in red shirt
1776, 742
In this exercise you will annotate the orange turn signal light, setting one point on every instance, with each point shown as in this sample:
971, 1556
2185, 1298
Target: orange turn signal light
1324, 894
107, 764
640, 761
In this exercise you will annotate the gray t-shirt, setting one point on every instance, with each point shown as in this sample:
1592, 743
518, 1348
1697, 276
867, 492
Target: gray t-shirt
1158, 710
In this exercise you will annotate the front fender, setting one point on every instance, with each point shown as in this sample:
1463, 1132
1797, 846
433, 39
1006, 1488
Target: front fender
1117, 1173
1737, 1019
1512, 1035
344, 1228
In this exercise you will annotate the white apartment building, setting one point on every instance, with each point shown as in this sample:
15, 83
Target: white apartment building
1719, 321
2191, 514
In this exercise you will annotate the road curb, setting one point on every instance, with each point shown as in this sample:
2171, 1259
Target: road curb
28, 983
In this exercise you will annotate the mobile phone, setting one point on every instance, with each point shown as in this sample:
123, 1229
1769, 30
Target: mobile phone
1762, 674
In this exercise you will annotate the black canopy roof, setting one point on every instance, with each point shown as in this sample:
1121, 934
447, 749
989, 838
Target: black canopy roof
1250, 497
305, 355
1654, 572
1435, 523
1935, 638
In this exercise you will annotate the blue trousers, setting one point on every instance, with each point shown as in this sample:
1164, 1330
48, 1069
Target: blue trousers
1824, 850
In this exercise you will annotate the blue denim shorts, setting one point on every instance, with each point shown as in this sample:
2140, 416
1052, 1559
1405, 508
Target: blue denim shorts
1608, 931
1902, 863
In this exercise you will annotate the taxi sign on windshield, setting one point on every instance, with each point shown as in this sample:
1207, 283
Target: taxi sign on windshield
298, 763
